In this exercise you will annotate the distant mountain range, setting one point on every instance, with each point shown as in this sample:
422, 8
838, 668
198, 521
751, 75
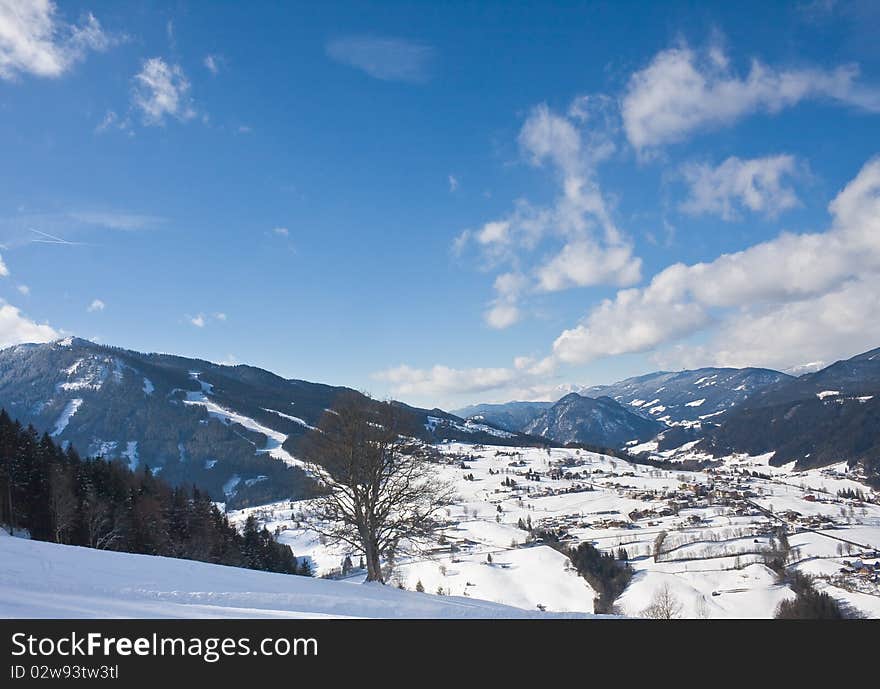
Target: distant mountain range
820, 418
816, 419
234, 430
601, 421
231, 430
684, 398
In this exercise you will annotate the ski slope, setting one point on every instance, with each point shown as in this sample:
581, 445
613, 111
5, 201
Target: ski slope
46, 580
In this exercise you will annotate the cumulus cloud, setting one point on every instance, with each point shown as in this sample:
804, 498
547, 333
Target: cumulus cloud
96, 305
4, 271
15, 328
791, 277
162, 90
828, 327
582, 246
198, 320
683, 91
757, 184
388, 59
24, 290
35, 40
281, 231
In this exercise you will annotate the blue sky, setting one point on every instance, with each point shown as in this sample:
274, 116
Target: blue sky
445, 204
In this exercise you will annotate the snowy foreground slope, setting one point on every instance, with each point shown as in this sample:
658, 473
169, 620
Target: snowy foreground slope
56, 581
717, 527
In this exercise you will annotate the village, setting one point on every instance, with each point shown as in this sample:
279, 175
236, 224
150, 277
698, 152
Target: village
720, 537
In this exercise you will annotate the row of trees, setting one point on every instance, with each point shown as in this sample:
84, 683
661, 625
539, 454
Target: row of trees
54, 495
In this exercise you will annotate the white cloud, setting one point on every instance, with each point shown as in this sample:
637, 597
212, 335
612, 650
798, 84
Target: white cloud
388, 59
96, 305
681, 92
24, 290
200, 320
4, 271
453, 183
832, 326
582, 263
444, 385
281, 231
162, 90
16, 328
757, 184
34, 40
758, 293
443, 380
111, 121
589, 248
212, 63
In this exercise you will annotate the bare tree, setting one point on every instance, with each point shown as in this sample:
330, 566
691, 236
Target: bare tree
664, 606
380, 495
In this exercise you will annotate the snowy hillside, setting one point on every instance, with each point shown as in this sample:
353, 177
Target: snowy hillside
232, 431
718, 528
48, 580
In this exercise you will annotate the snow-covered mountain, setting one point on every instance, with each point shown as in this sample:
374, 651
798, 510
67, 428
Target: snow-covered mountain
231, 430
820, 418
688, 396
600, 422
511, 416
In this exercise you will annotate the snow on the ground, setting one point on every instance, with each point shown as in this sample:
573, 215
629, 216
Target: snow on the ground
66, 415
711, 545
131, 454
295, 419
46, 580
747, 593
274, 439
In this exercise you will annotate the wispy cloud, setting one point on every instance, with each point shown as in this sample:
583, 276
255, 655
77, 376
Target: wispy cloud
388, 59
586, 248
200, 320
35, 40
112, 220
96, 305
213, 63
757, 184
162, 90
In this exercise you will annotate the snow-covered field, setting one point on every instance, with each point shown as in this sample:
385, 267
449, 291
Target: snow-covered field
718, 527
58, 581
715, 527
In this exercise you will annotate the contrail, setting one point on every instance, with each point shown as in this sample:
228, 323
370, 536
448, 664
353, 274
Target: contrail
51, 238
